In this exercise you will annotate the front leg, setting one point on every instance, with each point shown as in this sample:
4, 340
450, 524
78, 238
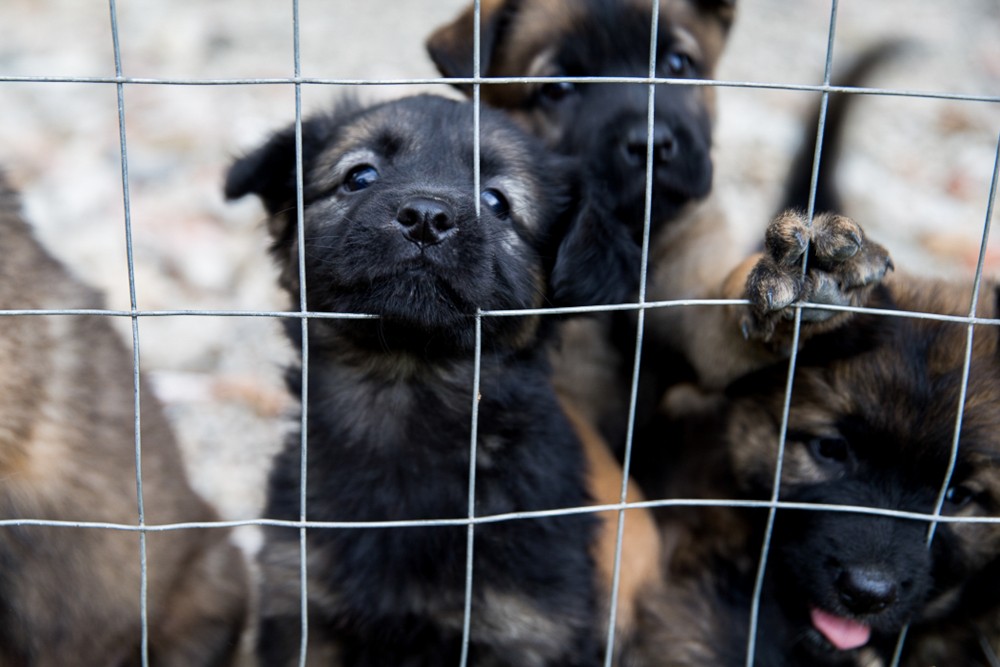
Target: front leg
723, 343
842, 266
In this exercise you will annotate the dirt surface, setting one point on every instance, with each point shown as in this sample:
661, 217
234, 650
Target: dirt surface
916, 172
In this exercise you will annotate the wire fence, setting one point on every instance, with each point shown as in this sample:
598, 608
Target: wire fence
122, 83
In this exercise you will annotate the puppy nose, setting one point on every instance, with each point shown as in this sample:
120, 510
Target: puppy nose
866, 590
663, 140
425, 221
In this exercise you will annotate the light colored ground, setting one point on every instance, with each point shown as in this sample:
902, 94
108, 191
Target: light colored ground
916, 172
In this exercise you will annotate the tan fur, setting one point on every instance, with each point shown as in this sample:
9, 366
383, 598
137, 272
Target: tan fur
541, 23
639, 573
66, 453
823, 394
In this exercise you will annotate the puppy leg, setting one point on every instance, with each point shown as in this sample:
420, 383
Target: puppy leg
842, 268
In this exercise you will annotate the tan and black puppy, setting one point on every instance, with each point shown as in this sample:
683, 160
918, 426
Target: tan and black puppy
70, 596
604, 125
872, 422
392, 229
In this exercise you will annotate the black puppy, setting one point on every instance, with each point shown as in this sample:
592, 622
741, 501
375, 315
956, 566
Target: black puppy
604, 125
391, 229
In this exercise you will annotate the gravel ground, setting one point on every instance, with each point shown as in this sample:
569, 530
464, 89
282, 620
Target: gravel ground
916, 172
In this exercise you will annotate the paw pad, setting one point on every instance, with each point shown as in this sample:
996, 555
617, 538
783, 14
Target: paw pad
842, 265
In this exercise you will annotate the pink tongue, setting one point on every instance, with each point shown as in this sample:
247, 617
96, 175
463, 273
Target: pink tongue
843, 633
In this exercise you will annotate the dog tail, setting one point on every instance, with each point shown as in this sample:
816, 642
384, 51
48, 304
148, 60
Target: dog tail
797, 184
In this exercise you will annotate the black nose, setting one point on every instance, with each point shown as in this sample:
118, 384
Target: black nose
663, 140
866, 590
426, 221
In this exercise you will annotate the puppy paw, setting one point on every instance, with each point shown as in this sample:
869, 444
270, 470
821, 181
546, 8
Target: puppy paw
842, 267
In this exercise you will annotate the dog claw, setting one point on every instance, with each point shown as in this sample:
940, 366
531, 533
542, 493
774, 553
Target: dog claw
850, 249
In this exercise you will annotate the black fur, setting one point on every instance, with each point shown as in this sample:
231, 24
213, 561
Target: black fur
390, 399
883, 395
605, 124
828, 197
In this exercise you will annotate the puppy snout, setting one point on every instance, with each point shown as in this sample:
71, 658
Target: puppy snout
663, 140
866, 590
426, 221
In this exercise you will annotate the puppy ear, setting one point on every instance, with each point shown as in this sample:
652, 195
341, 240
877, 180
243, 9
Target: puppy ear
268, 172
723, 10
451, 45
597, 261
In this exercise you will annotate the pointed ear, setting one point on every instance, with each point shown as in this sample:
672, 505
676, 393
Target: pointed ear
451, 45
597, 261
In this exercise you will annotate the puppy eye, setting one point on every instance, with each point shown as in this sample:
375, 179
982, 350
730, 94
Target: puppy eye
495, 201
360, 177
558, 90
830, 450
960, 495
679, 64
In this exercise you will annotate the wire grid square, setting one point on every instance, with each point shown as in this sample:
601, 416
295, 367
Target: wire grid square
124, 82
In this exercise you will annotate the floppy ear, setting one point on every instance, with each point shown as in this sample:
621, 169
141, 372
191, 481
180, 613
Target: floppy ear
268, 172
597, 261
451, 45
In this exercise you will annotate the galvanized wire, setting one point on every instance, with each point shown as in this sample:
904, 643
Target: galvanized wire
507, 80
640, 333
137, 400
792, 361
304, 332
640, 306
963, 390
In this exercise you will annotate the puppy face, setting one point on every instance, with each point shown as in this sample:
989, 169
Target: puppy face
604, 123
875, 429
391, 224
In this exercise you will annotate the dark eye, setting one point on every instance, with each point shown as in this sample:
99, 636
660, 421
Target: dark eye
557, 91
360, 177
494, 200
679, 64
830, 450
959, 496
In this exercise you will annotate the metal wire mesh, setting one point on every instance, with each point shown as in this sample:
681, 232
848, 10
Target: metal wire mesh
122, 83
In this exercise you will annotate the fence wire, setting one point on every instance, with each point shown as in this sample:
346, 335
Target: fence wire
121, 81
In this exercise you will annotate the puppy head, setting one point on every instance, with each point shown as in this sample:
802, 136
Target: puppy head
875, 429
391, 226
604, 123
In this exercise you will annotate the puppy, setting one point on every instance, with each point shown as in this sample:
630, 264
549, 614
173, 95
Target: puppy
604, 125
391, 229
871, 423
70, 596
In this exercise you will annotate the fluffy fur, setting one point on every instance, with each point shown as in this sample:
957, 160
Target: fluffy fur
604, 125
67, 453
872, 421
391, 229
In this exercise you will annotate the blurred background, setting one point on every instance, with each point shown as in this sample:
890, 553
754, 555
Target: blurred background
915, 172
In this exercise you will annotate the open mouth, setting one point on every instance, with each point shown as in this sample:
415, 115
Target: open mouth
844, 634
